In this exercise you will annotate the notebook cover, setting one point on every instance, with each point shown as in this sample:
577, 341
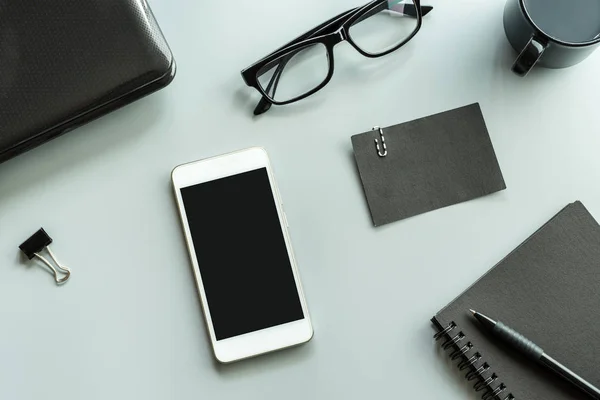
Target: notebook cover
432, 162
548, 290
65, 62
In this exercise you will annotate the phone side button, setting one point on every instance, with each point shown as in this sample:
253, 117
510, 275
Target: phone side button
285, 219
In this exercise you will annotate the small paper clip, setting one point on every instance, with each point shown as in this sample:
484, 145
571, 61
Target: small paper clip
385, 152
32, 248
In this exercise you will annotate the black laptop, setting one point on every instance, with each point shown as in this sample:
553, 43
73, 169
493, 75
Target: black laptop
66, 62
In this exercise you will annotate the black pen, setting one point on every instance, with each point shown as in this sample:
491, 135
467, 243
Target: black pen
535, 352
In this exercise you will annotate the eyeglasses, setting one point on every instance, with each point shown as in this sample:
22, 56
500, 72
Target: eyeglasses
305, 65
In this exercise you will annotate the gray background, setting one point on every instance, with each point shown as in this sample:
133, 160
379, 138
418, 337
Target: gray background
129, 323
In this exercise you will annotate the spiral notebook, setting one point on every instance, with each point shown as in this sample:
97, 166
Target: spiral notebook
547, 289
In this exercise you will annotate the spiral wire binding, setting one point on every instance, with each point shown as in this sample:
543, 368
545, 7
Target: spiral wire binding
478, 370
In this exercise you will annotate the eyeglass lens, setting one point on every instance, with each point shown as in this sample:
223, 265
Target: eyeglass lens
295, 74
385, 27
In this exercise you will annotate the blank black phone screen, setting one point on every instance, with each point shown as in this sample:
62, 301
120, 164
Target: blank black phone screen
241, 253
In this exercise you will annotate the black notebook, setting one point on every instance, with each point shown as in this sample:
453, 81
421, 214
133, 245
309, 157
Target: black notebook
548, 289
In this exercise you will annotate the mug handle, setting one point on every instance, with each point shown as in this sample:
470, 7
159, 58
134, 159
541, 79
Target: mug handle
530, 55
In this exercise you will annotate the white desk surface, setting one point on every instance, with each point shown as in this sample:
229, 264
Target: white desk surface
129, 324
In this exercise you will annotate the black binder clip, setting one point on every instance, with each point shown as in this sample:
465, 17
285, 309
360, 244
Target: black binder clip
32, 248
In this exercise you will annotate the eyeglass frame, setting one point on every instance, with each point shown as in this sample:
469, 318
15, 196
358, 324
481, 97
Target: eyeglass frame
330, 33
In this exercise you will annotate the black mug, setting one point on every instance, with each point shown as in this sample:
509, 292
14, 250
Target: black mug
553, 33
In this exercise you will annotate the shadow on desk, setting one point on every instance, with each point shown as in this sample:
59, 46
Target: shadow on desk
77, 148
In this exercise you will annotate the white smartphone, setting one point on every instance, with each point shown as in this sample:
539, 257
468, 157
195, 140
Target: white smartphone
241, 253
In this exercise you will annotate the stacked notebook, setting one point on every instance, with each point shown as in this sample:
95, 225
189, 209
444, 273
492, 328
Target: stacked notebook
548, 289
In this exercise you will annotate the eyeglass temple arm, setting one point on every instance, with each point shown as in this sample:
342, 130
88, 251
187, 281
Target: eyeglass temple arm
401, 8
264, 104
407, 9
